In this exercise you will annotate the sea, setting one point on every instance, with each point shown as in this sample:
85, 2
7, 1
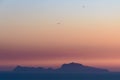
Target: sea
59, 76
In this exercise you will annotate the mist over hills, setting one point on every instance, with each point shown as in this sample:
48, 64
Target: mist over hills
65, 68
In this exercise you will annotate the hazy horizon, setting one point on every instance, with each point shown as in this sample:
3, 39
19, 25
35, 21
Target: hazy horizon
53, 32
11, 68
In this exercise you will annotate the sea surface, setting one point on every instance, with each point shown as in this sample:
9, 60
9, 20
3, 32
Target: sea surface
58, 76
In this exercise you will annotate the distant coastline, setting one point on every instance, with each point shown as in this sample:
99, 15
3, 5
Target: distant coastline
65, 68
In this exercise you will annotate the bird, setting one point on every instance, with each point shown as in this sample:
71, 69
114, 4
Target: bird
83, 6
58, 23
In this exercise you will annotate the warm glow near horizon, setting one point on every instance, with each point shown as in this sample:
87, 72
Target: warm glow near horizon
53, 32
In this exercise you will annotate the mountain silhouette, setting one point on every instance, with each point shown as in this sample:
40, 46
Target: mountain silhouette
65, 68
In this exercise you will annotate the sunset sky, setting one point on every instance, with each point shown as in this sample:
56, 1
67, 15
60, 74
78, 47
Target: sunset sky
52, 32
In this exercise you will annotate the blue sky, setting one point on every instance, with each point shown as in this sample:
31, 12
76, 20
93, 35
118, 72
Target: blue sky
52, 10
31, 24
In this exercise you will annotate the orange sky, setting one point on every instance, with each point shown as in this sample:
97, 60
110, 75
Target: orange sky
50, 33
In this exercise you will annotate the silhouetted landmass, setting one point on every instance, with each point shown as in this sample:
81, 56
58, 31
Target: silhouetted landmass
65, 68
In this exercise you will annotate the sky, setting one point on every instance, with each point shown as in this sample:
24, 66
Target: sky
52, 32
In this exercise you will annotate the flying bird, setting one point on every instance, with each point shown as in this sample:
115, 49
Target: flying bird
58, 23
83, 6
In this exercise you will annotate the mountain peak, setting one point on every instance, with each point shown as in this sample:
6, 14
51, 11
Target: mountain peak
74, 64
65, 68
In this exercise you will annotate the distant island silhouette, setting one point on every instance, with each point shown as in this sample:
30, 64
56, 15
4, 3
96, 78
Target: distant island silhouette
65, 68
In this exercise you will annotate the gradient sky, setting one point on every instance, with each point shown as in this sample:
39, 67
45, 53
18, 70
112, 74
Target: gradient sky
53, 32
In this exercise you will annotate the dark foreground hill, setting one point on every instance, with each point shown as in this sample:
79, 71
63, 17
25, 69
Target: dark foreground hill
65, 68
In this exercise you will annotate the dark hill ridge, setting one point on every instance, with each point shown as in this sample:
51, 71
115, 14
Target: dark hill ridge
65, 68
